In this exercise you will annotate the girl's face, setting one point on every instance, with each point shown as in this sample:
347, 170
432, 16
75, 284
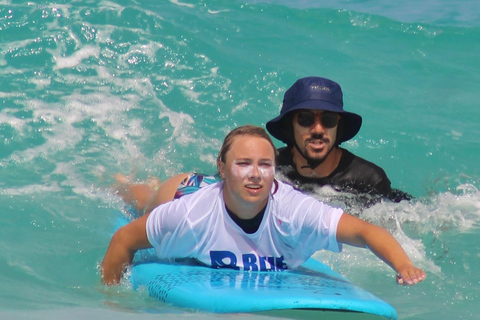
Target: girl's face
248, 172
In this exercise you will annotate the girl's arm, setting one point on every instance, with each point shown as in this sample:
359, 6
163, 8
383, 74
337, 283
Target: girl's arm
356, 232
125, 242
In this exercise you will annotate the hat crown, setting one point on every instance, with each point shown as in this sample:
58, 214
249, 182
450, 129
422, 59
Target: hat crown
314, 93
310, 89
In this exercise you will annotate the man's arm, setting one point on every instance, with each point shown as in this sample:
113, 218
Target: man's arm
125, 242
356, 232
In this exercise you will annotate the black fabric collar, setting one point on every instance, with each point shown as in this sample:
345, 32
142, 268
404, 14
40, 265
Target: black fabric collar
248, 225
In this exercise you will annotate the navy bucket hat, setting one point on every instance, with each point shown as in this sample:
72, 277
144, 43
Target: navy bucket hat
314, 93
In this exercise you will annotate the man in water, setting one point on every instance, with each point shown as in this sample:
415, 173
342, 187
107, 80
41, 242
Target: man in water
313, 124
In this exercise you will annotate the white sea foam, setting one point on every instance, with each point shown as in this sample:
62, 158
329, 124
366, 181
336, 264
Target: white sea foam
182, 4
76, 58
32, 189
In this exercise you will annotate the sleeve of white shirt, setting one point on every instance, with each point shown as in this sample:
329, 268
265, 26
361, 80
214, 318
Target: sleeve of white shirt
169, 232
312, 224
179, 229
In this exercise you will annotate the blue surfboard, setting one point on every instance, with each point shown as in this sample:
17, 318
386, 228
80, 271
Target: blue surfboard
312, 288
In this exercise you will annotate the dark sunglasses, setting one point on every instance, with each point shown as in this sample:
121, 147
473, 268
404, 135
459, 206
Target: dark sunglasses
327, 119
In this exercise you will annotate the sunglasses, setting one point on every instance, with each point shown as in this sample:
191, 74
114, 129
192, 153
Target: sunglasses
327, 119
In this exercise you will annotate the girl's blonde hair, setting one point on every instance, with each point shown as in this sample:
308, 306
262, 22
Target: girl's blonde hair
247, 130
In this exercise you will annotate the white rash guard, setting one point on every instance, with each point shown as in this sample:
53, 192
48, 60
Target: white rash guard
198, 226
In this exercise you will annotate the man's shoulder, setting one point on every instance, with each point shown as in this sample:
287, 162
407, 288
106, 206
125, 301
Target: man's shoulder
286, 167
362, 167
285, 157
361, 175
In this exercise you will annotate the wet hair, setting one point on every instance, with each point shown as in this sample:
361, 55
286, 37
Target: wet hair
247, 130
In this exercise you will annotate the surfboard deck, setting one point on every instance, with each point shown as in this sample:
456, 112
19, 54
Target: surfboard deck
313, 288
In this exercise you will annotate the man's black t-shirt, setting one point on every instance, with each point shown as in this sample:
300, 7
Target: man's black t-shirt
353, 174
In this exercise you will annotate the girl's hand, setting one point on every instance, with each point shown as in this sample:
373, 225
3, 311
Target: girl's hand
411, 275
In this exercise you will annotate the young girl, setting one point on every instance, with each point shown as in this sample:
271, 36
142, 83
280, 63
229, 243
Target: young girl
250, 221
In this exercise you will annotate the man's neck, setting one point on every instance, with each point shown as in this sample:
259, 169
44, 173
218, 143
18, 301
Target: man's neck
323, 170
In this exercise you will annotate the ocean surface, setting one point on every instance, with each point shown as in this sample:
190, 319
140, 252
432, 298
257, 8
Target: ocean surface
150, 88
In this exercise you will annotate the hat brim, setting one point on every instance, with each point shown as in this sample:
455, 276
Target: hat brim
351, 121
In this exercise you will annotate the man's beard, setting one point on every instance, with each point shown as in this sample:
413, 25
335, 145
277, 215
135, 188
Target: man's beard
314, 162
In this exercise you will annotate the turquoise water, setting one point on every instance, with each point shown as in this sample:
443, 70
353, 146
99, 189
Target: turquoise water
91, 88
